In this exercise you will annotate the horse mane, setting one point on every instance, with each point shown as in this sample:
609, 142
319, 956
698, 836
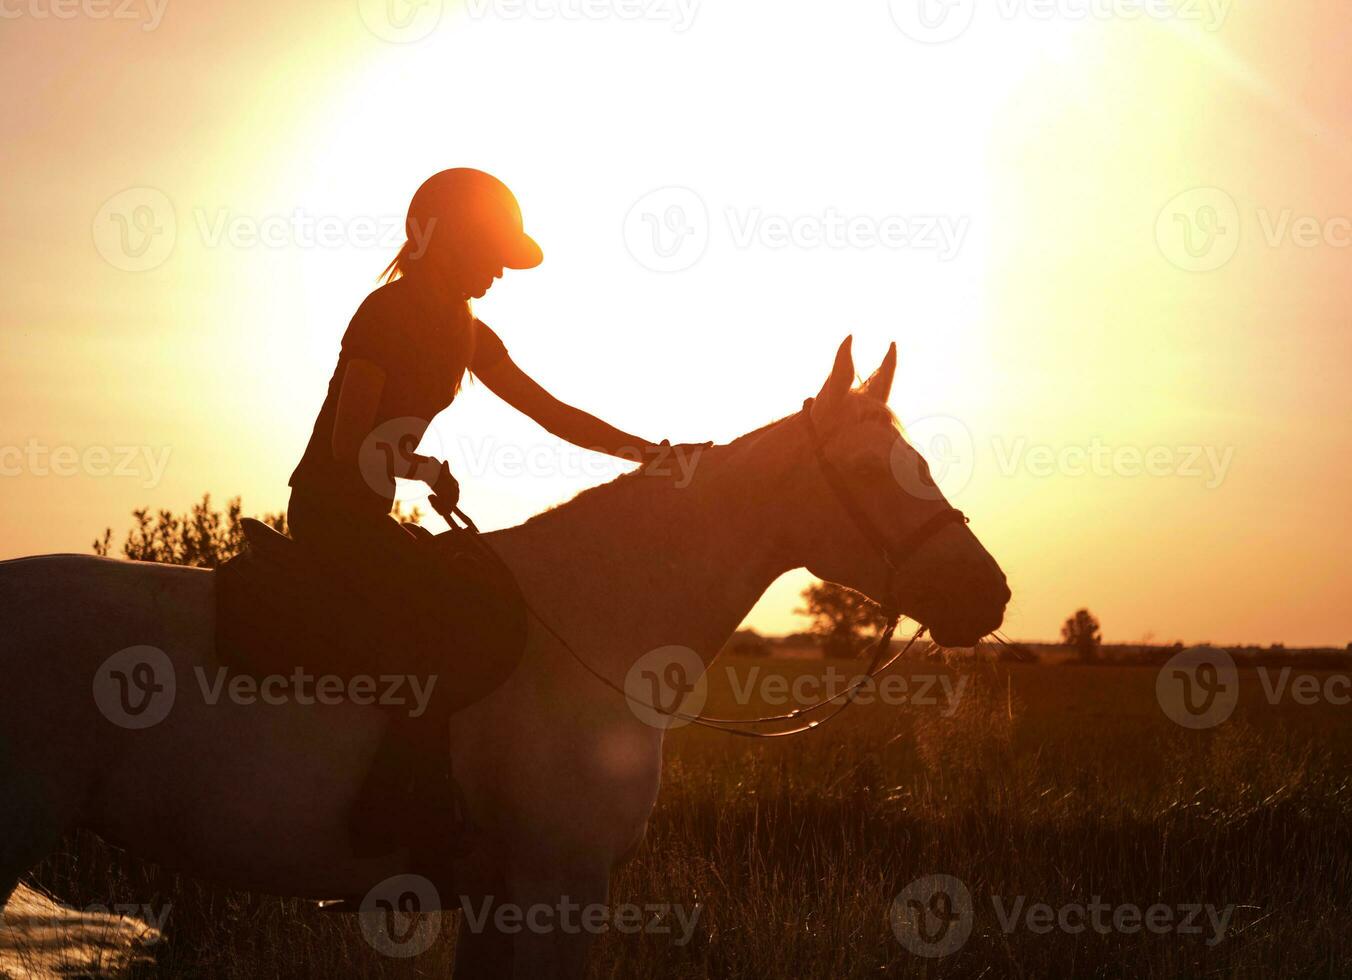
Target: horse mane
666, 483
859, 410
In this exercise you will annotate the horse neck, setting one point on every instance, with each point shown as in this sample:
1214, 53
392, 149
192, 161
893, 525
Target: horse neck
644, 563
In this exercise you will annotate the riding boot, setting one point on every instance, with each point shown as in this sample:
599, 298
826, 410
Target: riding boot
409, 800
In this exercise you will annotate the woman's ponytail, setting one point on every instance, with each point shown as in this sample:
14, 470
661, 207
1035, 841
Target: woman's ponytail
400, 265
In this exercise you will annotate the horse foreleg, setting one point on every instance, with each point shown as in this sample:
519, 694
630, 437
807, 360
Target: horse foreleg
482, 951
560, 909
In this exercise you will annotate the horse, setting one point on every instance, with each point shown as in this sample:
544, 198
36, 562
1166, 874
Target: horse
558, 771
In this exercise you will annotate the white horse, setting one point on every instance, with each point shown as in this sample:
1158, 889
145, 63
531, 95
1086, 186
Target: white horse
559, 773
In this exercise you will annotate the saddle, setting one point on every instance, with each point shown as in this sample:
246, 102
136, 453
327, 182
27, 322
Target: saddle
449, 615
448, 612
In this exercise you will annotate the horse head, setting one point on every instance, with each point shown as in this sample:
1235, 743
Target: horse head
875, 521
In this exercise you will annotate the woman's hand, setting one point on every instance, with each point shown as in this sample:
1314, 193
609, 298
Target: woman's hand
664, 459
445, 491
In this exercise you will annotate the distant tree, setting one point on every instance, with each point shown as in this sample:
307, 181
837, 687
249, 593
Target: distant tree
1081, 631
203, 537
842, 620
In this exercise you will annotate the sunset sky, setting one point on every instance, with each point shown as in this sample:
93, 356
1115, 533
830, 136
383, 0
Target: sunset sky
1111, 239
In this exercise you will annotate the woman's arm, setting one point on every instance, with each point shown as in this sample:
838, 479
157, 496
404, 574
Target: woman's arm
518, 389
358, 402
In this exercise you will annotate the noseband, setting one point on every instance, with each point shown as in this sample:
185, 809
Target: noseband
893, 556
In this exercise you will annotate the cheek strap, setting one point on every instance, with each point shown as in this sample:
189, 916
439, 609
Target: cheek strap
893, 555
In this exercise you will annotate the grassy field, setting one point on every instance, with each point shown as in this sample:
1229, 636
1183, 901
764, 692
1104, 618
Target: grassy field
1062, 785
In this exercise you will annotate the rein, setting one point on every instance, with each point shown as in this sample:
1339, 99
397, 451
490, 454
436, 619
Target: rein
879, 662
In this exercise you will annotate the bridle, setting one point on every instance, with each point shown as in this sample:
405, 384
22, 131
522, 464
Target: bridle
893, 557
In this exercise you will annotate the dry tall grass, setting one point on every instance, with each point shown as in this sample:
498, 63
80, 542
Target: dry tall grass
1059, 784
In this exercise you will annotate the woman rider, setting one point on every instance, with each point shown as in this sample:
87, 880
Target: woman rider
403, 359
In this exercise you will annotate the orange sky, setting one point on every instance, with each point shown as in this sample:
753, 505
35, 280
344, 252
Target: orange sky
1121, 298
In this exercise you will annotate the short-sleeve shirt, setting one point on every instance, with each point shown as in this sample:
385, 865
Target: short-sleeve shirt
424, 355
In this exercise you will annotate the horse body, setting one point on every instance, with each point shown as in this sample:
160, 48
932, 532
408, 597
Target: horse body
251, 794
557, 769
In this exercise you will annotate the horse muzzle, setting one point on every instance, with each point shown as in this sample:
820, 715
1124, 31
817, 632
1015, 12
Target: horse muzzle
962, 620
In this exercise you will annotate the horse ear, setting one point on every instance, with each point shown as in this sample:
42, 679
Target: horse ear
879, 383
837, 386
